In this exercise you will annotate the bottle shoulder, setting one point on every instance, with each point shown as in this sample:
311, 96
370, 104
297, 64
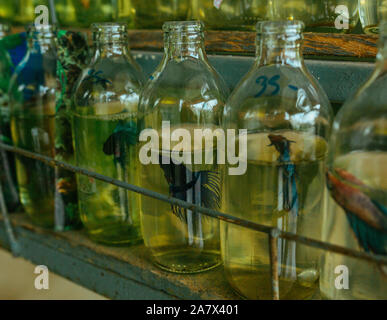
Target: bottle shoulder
272, 97
120, 74
186, 79
285, 81
183, 91
108, 86
368, 102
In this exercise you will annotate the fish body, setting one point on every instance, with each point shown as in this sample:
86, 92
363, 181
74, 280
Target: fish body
202, 188
289, 186
124, 135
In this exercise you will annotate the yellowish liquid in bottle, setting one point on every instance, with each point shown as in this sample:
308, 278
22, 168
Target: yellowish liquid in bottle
36, 179
110, 214
182, 241
258, 196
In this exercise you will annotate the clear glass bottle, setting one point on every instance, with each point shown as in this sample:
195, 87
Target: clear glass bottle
152, 14
288, 119
32, 101
357, 179
229, 14
105, 137
371, 13
82, 13
318, 15
7, 159
184, 93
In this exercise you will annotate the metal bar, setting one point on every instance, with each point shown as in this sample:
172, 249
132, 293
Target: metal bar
208, 212
273, 248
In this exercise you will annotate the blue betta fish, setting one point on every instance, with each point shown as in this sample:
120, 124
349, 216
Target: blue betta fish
287, 184
288, 201
366, 216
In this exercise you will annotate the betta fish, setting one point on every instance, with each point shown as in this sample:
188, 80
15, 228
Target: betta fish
287, 201
124, 136
201, 188
95, 77
366, 216
288, 195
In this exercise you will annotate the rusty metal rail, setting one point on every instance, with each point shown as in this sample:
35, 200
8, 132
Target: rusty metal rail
272, 232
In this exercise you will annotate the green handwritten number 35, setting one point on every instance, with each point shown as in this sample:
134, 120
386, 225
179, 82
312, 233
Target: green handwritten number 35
265, 82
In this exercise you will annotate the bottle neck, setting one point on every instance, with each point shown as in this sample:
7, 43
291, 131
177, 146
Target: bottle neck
184, 45
41, 40
4, 30
273, 50
113, 49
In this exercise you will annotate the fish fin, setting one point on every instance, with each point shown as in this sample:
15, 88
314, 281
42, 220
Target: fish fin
382, 208
211, 189
370, 239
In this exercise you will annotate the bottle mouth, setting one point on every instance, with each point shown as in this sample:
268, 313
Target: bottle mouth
109, 27
289, 27
183, 27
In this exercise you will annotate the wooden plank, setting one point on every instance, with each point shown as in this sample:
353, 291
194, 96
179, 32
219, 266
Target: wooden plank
238, 42
117, 273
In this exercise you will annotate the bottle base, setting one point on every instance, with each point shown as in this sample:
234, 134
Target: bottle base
186, 262
257, 286
121, 236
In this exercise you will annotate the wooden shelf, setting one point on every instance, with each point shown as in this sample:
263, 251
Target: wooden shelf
238, 42
116, 273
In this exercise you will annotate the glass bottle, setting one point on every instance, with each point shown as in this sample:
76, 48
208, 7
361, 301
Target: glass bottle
152, 14
7, 10
82, 13
229, 14
184, 94
32, 101
318, 15
357, 181
7, 160
287, 117
105, 137
371, 13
